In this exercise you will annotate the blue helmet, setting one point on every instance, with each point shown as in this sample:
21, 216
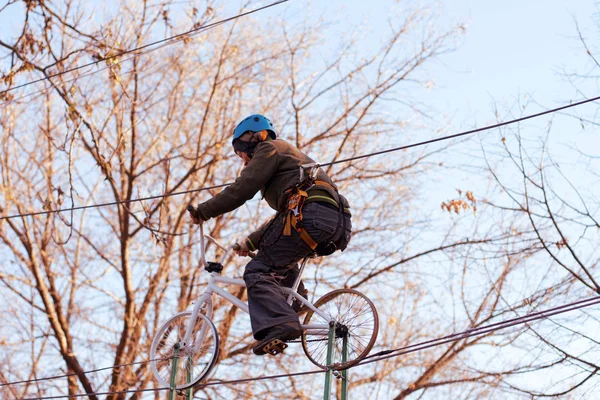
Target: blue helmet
254, 123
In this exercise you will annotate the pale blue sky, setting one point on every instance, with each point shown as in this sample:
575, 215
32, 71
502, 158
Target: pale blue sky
510, 47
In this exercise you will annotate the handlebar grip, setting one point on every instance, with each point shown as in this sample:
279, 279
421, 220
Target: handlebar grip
237, 247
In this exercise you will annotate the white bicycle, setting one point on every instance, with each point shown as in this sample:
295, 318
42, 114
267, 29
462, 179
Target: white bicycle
189, 342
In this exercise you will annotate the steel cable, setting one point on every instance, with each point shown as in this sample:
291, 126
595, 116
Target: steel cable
85, 372
215, 383
173, 38
488, 127
382, 355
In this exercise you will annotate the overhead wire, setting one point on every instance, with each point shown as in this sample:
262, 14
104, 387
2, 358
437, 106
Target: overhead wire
476, 130
214, 383
385, 354
112, 203
167, 41
89, 73
70, 396
74, 374
363, 156
382, 355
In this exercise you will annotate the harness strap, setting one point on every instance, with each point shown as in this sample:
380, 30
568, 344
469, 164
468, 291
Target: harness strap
323, 196
293, 216
291, 221
294, 211
327, 185
304, 235
287, 224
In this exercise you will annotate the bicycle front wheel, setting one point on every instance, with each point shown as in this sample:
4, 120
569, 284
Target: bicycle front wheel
195, 359
357, 324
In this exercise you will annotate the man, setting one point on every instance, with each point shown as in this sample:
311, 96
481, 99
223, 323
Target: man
310, 217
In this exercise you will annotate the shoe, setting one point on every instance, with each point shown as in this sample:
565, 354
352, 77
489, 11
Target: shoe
274, 342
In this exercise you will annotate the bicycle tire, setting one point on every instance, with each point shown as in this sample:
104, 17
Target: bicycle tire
355, 317
195, 360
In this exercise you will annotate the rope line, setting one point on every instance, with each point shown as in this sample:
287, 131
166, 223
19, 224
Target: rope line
69, 396
261, 378
84, 372
382, 355
89, 73
115, 202
443, 138
215, 383
513, 121
173, 38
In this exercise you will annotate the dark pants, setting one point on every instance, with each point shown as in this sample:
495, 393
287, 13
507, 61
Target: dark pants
275, 265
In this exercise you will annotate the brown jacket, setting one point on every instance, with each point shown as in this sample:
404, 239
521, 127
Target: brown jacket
273, 169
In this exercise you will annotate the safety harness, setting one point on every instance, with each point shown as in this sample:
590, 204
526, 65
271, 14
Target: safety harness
297, 196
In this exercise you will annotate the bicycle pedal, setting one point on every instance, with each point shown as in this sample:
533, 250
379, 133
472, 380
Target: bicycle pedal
275, 347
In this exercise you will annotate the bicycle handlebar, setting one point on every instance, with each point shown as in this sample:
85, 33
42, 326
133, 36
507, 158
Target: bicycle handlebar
235, 247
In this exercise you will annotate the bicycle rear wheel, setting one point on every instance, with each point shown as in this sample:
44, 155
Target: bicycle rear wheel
195, 359
356, 320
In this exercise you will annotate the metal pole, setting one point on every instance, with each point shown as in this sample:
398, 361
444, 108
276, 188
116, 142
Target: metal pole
190, 365
173, 384
345, 371
328, 373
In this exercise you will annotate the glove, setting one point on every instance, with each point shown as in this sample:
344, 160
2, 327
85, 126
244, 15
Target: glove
197, 217
243, 249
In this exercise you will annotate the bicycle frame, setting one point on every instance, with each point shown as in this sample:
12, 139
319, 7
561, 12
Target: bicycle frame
213, 288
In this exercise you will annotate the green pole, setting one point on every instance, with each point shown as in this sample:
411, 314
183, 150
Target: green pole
173, 384
190, 365
328, 373
345, 371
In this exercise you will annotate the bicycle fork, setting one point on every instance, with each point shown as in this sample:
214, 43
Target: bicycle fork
204, 301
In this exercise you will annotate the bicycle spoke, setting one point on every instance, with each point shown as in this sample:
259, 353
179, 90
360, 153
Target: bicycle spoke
350, 307
195, 360
357, 318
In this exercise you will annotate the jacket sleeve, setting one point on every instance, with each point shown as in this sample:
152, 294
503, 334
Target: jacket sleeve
254, 238
253, 177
